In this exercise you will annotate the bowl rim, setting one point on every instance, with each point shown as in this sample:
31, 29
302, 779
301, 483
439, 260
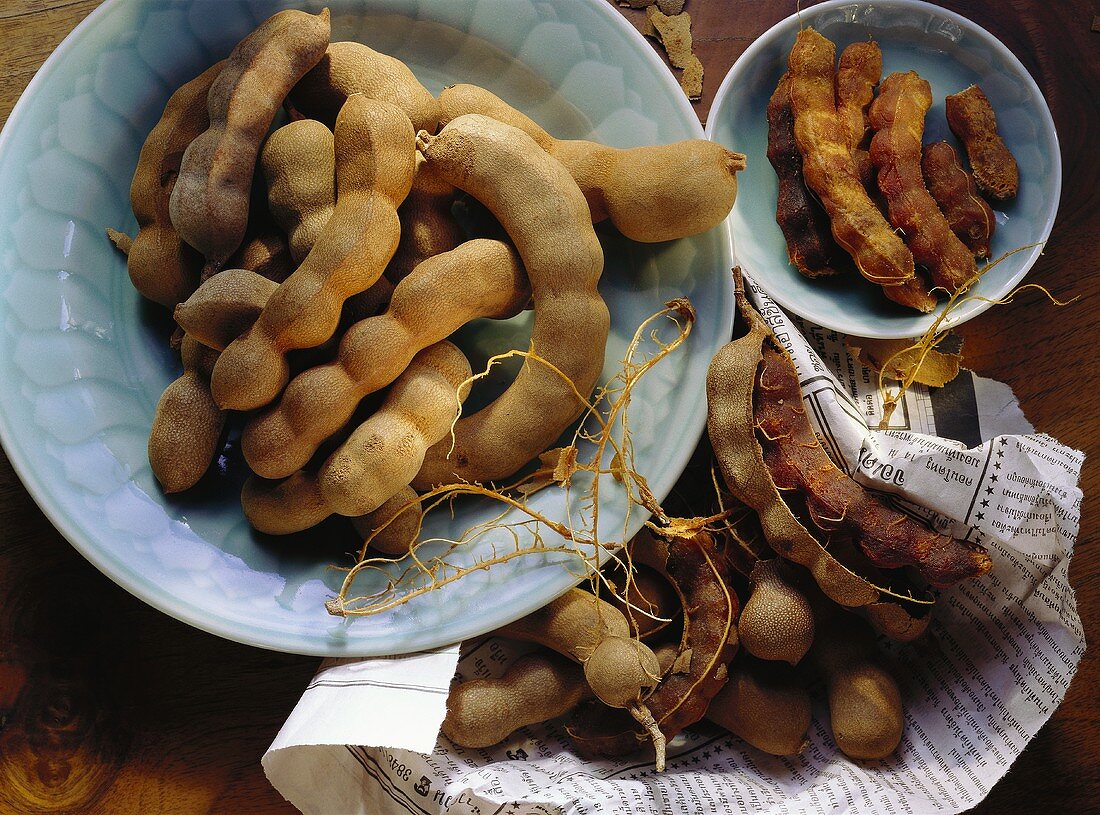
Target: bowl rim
966, 310
314, 644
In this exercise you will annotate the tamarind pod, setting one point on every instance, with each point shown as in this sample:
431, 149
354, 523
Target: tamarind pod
161, 266
299, 164
349, 68
374, 168
731, 426
897, 116
805, 226
766, 704
187, 424
209, 205
384, 453
544, 213
648, 595
480, 278
536, 687
865, 708
266, 253
650, 194
700, 576
777, 622
971, 119
427, 226
860, 70
286, 506
573, 625
830, 171
796, 461
224, 307
956, 194
399, 520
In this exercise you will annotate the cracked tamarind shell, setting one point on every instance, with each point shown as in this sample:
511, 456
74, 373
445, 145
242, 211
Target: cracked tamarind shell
731, 427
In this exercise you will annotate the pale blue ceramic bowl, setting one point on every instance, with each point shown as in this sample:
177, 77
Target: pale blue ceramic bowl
951, 53
83, 359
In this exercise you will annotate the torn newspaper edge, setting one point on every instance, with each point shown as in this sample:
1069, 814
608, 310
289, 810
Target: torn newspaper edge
995, 663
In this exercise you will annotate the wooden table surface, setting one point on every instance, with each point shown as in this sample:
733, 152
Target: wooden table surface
132, 712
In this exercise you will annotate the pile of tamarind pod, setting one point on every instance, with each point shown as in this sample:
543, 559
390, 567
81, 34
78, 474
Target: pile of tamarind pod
316, 266
858, 188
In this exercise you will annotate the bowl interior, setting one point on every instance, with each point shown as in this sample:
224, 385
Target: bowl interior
951, 53
83, 359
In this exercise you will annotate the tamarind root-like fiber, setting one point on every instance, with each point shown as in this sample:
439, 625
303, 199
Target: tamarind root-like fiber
956, 193
797, 462
701, 577
971, 119
830, 171
897, 116
805, 226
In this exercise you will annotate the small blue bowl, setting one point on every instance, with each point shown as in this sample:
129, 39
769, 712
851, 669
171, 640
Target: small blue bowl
951, 53
83, 360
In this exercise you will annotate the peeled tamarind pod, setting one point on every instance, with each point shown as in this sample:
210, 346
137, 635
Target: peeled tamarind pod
283, 507
162, 267
187, 424
397, 522
650, 194
967, 213
480, 278
897, 116
348, 68
210, 202
427, 226
299, 165
860, 70
971, 119
865, 711
544, 213
536, 687
766, 704
830, 172
224, 307
777, 622
374, 169
383, 454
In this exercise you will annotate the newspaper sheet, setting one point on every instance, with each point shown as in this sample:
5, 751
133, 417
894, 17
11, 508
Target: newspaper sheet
993, 666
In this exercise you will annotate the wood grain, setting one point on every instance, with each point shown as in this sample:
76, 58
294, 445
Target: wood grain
108, 706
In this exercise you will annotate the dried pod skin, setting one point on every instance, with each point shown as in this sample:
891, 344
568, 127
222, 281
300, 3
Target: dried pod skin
284, 507
573, 625
971, 119
830, 171
395, 525
805, 226
731, 426
777, 622
187, 425
383, 454
897, 116
350, 67
650, 193
954, 190
162, 267
542, 209
299, 165
620, 670
224, 307
709, 642
210, 202
480, 278
374, 168
865, 709
536, 688
766, 704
